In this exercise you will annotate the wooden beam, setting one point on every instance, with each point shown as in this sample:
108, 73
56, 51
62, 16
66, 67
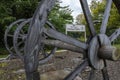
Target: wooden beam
109, 53
115, 35
67, 39
63, 45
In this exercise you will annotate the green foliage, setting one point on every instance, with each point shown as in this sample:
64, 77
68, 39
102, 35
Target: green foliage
11, 10
97, 11
60, 16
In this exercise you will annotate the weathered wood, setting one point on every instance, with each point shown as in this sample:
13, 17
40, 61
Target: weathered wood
109, 52
95, 61
9, 34
117, 3
115, 35
19, 40
88, 16
63, 45
77, 70
105, 72
106, 17
92, 75
67, 39
33, 43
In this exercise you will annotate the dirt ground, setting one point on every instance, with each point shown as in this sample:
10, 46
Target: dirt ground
14, 69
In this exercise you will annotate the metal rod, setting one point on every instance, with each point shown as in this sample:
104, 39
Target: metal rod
77, 70
63, 45
88, 16
67, 39
106, 17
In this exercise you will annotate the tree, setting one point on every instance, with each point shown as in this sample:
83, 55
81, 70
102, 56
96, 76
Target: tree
60, 16
11, 10
97, 10
80, 19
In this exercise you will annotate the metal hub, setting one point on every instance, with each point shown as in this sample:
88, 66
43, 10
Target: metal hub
93, 52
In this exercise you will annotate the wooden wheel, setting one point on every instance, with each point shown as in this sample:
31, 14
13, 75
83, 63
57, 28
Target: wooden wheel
19, 39
99, 46
8, 37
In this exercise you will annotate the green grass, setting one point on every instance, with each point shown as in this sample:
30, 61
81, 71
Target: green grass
117, 45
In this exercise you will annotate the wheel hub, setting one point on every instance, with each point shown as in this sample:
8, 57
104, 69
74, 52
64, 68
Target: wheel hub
96, 52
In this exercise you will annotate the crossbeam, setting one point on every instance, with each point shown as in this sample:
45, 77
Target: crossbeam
63, 45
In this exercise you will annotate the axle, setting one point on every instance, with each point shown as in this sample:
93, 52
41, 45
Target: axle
105, 52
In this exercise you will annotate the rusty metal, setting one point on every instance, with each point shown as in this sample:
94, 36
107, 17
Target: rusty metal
34, 40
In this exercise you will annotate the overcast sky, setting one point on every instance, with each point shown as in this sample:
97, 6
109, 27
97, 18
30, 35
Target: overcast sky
73, 5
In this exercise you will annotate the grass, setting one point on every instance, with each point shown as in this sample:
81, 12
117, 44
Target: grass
117, 45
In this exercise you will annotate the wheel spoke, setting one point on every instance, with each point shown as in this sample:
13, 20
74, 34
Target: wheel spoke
48, 57
67, 39
22, 36
105, 72
10, 35
92, 75
115, 35
106, 17
77, 70
20, 43
22, 31
88, 16
11, 48
22, 49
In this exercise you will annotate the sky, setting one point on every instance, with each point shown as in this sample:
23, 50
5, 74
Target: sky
73, 5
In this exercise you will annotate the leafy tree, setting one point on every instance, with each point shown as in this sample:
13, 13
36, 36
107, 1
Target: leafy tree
97, 10
11, 10
80, 19
60, 16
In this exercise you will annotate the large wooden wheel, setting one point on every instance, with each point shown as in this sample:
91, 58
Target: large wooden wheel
98, 49
8, 37
19, 39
